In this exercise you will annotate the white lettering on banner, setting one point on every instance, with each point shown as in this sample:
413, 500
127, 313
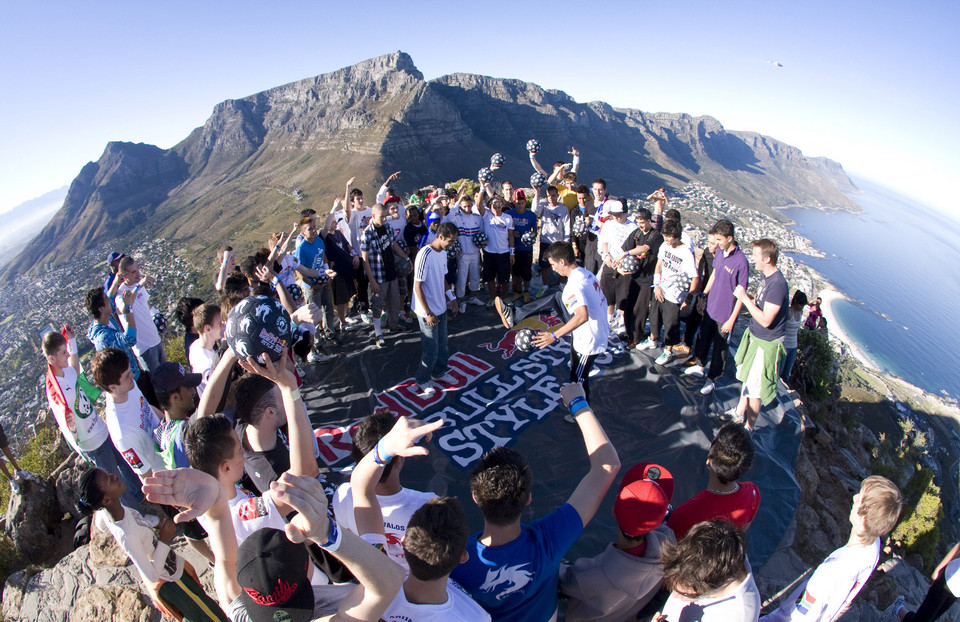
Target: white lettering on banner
489, 414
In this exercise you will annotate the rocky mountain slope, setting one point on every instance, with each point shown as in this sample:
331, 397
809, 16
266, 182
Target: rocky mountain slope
234, 177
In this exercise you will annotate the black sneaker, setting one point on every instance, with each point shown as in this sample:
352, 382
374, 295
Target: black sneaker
506, 312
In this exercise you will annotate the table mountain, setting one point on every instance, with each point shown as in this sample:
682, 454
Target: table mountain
235, 177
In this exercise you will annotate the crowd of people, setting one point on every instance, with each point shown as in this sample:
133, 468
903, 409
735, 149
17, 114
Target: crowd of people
221, 451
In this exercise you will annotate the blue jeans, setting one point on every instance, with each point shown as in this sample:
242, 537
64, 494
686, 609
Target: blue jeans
433, 360
109, 459
788, 362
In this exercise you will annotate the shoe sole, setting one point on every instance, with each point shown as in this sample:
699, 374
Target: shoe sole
499, 306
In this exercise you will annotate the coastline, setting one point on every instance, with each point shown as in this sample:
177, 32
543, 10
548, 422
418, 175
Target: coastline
830, 295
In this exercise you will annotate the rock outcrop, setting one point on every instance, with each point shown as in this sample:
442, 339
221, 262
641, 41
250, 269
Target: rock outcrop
33, 519
236, 174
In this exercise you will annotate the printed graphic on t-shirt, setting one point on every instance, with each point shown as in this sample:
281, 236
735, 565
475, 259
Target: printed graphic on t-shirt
506, 580
251, 509
133, 459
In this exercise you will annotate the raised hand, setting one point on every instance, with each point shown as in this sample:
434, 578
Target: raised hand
402, 438
306, 496
279, 372
192, 490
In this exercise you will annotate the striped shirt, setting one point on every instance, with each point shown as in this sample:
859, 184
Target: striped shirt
429, 269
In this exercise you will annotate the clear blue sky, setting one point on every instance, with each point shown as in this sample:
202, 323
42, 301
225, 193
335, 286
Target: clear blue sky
874, 85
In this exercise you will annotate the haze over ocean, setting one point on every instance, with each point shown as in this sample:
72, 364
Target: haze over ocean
898, 258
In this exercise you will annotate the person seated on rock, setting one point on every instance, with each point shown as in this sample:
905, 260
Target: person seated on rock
435, 539
130, 419
208, 321
170, 580
397, 504
213, 447
837, 581
941, 595
267, 577
708, 577
620, 581
730, 457
513, 568
71, 398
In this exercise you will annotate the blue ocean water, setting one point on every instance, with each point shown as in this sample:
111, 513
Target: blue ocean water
900, 259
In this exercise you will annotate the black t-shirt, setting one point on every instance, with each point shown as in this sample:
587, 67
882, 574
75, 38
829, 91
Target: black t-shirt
412, 234
705, 268
648, 264
386, 253
773, 289
263, 467
338, 254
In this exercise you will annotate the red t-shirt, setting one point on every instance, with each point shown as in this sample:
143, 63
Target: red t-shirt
739, 508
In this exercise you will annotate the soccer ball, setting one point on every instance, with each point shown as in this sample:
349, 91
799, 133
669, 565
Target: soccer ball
454, 249
629, 263
257, 326
160, 321
496, 161
529, 238
524, 339
484, 175
533, 146
296, 292
580, 225
320, 280
537, 180
404, 267
402, 244
480, 239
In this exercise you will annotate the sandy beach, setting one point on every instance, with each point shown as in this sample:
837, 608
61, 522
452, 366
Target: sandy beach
830, 294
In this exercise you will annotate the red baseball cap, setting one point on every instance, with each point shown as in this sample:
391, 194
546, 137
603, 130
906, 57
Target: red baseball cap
519, 194
643, 499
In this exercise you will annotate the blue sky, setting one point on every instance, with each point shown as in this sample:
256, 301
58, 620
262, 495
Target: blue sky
873, 85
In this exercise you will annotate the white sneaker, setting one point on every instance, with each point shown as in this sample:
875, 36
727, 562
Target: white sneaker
694, 370
365, 317
707, 387
318, 357
665, 357
427, 390
405, 318
732, 415
463, 307
647, 344
352, 320
474, 301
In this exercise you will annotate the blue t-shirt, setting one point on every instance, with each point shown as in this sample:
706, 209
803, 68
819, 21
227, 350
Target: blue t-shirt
518, 580
310, 254
527, 221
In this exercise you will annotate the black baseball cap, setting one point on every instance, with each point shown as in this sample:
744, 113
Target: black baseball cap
272, 573
170, 376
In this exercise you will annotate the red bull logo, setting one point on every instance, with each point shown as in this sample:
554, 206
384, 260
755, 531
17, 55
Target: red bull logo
508, 343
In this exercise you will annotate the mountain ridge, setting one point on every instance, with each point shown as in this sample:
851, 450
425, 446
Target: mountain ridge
222, 181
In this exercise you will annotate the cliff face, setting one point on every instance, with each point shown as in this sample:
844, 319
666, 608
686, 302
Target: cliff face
233, 177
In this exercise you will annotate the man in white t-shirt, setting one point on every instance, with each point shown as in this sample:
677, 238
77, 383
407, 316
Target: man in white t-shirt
613, 234
130, 420
708, 576
208, 321
675, 282
498, 255
554, 227
432, 297
827, 594
149, 345
586, 305
434, 542
358, 217
397, 504
71, 397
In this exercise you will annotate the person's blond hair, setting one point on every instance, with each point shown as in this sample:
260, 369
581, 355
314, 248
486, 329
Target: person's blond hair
880, 505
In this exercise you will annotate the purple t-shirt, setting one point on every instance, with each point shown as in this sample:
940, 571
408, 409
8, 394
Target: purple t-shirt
728, 272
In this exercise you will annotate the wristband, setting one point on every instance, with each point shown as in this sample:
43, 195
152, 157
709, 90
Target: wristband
381, 459
127, 309
334, 537
293, 395
277, 247
555, 338
275, 281
450, 296
225, 262
71, 346
511, 250
577, 404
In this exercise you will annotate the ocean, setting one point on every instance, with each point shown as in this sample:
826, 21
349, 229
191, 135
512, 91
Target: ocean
898, 261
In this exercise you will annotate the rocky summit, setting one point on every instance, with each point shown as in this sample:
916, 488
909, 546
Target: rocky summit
256, 159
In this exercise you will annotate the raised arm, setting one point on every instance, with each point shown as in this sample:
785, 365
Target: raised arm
346, 196
536, 165
73, 358
604, 462
382, 192
216, 384
223, 271
576, 159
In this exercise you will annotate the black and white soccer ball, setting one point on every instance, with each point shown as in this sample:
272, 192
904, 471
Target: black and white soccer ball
537, 180
496, 161
629, 263
580, 225
480, 239
529, 238
404, 267
454, 249
259, 325
524, 339
533, 145
320, 280
401, 243
296, 292
160, 321
484, 175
